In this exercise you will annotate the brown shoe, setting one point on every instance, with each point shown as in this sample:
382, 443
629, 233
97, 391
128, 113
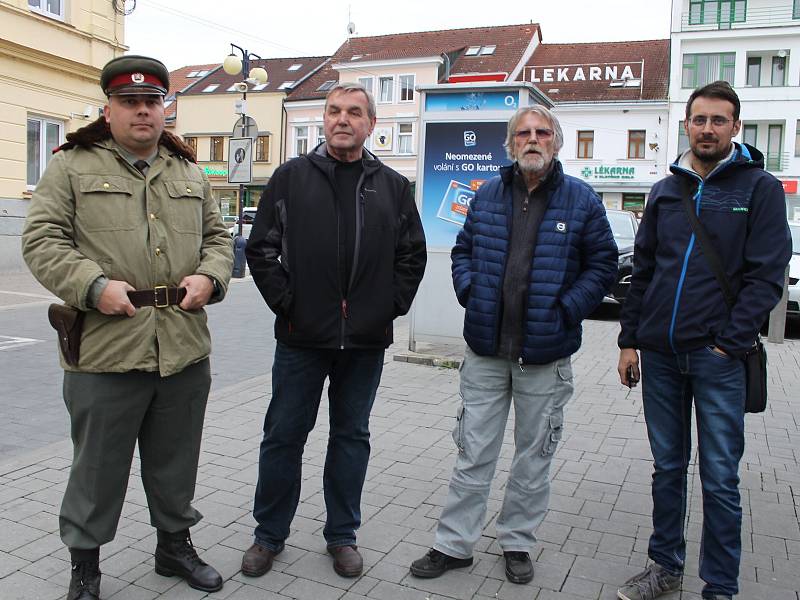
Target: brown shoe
257, 561
347, 562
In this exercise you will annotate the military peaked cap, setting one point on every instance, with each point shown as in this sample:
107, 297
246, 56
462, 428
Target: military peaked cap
132, 74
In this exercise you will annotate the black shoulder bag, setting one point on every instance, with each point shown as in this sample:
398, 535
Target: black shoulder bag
755, 361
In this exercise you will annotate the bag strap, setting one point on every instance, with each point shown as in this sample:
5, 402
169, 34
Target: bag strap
705, 243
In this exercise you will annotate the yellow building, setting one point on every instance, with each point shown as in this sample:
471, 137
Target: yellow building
51, 54
207, 110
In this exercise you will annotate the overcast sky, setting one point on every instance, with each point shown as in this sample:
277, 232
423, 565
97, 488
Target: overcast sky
186, 32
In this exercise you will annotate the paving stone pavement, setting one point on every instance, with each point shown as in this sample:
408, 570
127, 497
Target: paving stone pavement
593, 538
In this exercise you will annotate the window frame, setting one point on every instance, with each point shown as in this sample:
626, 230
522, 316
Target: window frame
191, 141
694, 58
381, 79
298, 138
774, 65
320, 135
212, 141
39, 10
758, 79
407, 135
750, 127
400, 87
797, 133
772, 157
263, 141
716, 18
584, 148
44, 153
638, 145
371, 87
796, 9
683, 138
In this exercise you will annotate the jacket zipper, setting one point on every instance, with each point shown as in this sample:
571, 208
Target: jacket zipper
360, 202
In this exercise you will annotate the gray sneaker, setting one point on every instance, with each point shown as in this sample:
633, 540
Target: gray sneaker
651, 583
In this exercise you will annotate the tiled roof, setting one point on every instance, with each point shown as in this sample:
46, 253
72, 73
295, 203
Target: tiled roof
179, 81
510, 43
278, 72
648, 62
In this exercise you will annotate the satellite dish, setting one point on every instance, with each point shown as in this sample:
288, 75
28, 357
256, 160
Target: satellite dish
351, 28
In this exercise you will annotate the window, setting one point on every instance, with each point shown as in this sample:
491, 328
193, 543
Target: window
262, 148
260, 86
486, 50
774, 147
750, 134
51, 8
406, 88
797, 134
633, 203
320, 135
217, 143
286, 85
405, 138
700, 69
192, 143
324, 87
300, 140
778, 70
210, 88
636, 143
295, 67
585, 144
720, 12
472, 51
754, 71
683, 139
367, 83
44, 136
386, 89
234, 88
796, 10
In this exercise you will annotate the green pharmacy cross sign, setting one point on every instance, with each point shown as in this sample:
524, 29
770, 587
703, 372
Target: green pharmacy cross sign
607, 172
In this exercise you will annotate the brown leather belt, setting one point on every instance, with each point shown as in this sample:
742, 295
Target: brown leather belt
160, 296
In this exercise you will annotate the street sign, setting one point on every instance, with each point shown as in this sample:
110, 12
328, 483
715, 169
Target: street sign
240, 160
248, 129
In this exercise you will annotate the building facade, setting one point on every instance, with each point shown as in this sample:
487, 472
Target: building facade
51, 54
755, 46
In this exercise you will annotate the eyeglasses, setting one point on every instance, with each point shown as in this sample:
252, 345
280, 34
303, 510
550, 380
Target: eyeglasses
541, 133
716, 121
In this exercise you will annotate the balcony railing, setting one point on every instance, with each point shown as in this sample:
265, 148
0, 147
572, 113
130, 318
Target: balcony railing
761, 16
776, 161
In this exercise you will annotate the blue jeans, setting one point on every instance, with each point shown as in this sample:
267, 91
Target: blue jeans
717, 385
298, 376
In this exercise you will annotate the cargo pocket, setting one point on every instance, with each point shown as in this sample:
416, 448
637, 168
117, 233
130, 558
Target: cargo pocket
106, 204
554, 431
185, 206
458, 430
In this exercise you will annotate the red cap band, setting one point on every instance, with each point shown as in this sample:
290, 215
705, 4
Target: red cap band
134, 79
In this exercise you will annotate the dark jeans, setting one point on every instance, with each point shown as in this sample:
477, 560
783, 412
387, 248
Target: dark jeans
716, 383
298, 376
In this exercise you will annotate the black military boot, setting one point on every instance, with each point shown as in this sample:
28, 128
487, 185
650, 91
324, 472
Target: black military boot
85, 581
175, 555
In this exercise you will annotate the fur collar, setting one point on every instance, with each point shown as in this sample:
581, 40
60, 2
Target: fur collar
99, 131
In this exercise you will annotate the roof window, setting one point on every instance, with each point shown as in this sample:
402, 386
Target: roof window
486, 50
210, 88
472, 51
260, 86
295, 67
286, 85
327, 85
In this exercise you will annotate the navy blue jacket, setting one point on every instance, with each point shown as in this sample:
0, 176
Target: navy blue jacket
573, 266
674, 303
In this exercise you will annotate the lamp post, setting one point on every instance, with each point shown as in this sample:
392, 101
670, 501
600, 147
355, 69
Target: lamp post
233, 65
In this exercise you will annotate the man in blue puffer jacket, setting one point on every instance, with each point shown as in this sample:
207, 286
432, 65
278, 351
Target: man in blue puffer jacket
535, 257
692, 344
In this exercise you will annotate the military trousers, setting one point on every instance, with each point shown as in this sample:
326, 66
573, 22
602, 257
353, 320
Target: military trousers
109, 413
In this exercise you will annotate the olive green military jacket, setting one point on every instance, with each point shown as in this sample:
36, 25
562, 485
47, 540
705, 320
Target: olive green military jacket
94, 214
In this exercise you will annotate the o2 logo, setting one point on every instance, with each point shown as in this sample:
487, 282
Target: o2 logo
470, 139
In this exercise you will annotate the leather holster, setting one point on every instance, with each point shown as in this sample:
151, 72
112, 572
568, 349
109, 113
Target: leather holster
68, 322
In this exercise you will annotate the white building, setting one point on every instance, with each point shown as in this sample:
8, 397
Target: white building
611, 101
755, 46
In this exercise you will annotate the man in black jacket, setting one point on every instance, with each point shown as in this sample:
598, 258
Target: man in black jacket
337, 251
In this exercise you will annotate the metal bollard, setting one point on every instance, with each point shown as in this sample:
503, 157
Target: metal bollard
239, 260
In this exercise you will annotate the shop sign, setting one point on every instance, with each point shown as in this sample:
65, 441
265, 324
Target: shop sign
212, 172
570, 73
609, 172
789, 186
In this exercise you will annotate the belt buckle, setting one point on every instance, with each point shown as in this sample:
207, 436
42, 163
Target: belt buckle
161, 289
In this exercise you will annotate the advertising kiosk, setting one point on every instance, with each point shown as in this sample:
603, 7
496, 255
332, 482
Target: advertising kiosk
463, 128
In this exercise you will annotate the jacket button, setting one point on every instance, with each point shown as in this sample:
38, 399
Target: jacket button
188, 190
153, 216
158, 251
106, 186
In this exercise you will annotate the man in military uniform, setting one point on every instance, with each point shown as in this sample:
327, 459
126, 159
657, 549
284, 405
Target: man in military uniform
122, 226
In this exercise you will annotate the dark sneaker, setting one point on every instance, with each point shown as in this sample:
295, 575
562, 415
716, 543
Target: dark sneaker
717, 597
257, 560
435, 563
519, 568
651, 583
85, 581
175, 555
347, 561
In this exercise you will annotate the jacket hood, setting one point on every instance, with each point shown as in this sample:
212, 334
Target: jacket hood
744, 155
98, 131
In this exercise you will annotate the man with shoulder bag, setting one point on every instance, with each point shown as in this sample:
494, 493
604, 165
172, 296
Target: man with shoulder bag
709, 263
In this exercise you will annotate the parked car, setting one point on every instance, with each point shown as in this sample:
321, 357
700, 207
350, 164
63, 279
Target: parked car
793, 305
623, 226
248, 216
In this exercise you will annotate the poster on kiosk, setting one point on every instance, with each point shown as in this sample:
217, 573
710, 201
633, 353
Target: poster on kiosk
463, 131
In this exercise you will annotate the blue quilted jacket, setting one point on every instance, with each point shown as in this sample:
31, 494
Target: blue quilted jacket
574, 265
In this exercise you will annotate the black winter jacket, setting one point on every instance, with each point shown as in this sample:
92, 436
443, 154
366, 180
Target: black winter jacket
296, 259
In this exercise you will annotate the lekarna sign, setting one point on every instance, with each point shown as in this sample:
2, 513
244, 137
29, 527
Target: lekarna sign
240, 160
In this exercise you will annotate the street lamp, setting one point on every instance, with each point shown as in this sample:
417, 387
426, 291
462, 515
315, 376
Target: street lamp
233, 65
